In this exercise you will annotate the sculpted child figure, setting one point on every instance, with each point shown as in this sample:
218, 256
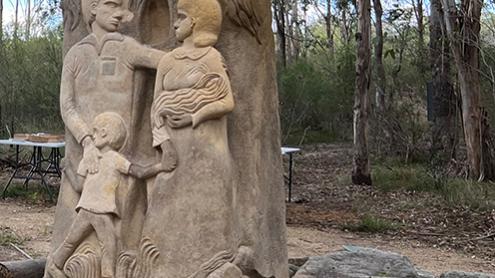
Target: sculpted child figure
98, 208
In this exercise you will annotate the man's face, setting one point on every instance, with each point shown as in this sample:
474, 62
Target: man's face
109, 14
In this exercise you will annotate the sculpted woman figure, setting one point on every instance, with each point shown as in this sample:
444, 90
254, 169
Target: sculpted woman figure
191, 212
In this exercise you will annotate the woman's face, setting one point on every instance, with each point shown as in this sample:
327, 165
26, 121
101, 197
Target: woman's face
183, 26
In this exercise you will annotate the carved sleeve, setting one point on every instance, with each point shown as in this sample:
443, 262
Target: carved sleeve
220, 107
144, 56
68, 107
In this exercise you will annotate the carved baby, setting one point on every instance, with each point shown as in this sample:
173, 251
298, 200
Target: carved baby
98, 208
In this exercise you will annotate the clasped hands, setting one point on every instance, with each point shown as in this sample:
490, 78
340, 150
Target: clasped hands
174, 120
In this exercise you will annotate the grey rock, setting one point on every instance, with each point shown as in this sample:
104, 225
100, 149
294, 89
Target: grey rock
358, 262
459, 274
293, 270
425, 274
298, 261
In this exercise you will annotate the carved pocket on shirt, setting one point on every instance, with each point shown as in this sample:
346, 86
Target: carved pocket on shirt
108, 66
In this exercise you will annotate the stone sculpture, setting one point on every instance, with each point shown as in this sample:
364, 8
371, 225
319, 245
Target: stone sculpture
216, 206
192, 98
97, 209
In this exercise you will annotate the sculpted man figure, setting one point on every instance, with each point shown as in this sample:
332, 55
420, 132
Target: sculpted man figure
97, 77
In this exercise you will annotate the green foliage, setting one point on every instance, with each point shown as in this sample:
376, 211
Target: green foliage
29, 83
417, 177
412, 177
372, 224
316, 94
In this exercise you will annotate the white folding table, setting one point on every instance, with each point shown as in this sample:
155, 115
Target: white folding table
35, 164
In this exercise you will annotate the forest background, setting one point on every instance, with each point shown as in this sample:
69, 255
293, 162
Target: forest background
384, 75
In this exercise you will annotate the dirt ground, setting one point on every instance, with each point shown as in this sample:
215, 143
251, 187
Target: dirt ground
315, 221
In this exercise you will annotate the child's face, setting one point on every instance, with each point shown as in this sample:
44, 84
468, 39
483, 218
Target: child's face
100, 137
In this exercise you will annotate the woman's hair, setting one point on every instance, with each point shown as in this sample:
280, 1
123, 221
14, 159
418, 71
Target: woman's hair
207, 16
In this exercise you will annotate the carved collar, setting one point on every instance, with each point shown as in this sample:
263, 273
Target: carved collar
91, 40
194, 54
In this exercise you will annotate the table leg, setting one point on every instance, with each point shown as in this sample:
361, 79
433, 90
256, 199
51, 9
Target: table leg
290, 177
17, 163
33, 162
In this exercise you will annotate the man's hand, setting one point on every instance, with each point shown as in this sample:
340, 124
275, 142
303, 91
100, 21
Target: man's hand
91, 155
179, 121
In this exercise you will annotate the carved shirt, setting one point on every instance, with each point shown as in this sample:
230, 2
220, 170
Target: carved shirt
99, 189
98, 76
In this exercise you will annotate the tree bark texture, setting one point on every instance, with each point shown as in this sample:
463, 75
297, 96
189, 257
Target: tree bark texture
381, 83
361, 173
463, 29
23, 269
444, 108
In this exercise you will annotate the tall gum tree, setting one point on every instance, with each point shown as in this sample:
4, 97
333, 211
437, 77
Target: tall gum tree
463, 29
361, 173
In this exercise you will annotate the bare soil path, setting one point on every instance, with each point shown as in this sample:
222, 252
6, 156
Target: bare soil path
326, 203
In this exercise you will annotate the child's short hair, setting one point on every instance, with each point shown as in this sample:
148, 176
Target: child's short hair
115, 127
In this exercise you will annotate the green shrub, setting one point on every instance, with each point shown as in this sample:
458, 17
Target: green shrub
372, 224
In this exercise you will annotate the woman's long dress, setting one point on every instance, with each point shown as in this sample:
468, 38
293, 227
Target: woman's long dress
191, 211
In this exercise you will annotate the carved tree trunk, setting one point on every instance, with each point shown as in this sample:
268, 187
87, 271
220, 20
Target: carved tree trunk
361, 173
444, 108
247, 44
463, 29
381, 83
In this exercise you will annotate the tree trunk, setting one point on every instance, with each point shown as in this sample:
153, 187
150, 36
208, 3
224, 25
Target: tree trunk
361, 173
23, 269
279, 15
444, 108
328, 24
1, 19
247, 45
28, 19
381, 83
296, 31
463, 29
16, 19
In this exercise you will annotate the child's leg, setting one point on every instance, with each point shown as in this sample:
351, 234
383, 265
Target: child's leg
107, 234
80, 229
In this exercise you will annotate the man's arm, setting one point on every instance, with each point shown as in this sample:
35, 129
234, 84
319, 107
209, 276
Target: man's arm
68, 107
144, 56
141, 172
